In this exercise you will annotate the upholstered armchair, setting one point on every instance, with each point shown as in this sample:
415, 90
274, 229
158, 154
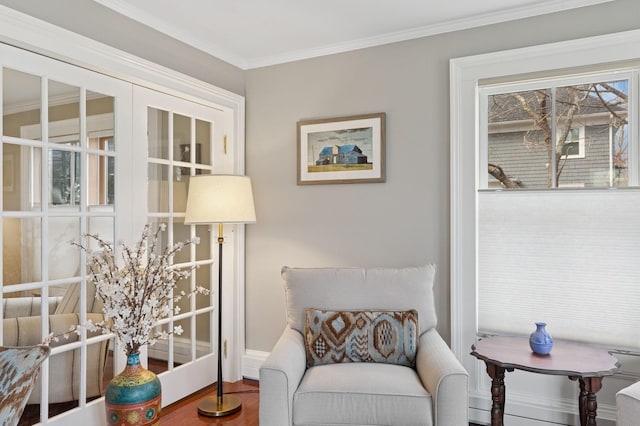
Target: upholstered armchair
628, 405
22, 327
382, 316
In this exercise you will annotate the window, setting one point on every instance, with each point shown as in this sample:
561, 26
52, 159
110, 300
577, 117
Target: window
573, 146
569, 132
567, 257
551, 134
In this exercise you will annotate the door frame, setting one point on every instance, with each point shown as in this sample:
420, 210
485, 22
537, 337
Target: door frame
26, 32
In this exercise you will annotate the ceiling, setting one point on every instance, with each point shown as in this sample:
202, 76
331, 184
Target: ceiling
255, 33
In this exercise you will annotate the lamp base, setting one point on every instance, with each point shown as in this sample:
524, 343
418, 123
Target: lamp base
219, 407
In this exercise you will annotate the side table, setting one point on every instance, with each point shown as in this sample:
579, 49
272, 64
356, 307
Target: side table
587, 364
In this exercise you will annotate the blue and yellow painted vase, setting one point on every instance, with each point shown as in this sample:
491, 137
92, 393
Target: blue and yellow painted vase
134, 396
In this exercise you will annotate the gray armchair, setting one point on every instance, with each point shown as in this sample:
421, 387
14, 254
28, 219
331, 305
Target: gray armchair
362, 393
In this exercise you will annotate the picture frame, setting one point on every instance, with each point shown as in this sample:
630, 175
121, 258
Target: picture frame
341, 150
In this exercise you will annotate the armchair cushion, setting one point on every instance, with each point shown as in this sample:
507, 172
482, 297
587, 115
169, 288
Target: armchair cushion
361, 336
360, 289
361, 394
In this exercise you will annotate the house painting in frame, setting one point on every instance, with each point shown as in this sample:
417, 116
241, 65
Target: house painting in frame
341, 150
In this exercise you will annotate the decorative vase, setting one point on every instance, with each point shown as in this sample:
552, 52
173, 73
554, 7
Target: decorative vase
540, 340
134, 396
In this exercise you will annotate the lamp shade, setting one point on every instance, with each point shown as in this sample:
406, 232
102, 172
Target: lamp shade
220, 199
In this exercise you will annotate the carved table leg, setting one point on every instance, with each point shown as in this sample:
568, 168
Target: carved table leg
497, 393
587, 403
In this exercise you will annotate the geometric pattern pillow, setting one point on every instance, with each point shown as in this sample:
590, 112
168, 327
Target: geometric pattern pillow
20, 368
361, 336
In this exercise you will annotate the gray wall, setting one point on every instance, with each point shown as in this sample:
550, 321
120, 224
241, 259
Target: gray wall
100, 23
404, 221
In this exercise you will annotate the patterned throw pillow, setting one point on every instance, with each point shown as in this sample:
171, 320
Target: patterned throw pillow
361, 336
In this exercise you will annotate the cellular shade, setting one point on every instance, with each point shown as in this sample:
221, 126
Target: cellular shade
568, 258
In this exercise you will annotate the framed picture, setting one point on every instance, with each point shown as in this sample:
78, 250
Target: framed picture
342, 150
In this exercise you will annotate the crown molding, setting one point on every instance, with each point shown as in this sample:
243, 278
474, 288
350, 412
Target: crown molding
26, 32
131, 11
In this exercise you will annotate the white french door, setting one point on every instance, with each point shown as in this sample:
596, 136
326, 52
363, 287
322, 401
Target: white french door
183, 139
83, 152
66, 149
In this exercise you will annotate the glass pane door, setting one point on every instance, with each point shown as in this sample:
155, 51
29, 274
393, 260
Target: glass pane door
61, 149
184, 139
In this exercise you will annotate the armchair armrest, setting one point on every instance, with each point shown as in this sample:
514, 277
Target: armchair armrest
444, 378
280, 376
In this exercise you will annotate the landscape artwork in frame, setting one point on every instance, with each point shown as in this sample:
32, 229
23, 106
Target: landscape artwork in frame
342, 150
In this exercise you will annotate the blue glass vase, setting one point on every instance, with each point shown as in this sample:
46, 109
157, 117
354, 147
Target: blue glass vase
540, 340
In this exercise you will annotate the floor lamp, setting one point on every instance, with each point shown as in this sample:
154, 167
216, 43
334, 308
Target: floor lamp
219, 199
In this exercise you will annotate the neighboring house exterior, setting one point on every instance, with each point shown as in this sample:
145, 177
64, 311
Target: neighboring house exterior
341, 154
594, 153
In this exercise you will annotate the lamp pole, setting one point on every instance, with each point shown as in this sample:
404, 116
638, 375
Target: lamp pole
223, 405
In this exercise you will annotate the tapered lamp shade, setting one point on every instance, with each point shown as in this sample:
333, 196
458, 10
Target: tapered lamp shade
220, 199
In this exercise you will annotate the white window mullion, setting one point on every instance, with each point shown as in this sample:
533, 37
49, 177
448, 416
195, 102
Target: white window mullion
634, 132
84, 200
44, 227
2, 202
170, 237
482, 149
554, 142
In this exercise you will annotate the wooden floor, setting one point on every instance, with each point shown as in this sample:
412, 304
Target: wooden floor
185, 412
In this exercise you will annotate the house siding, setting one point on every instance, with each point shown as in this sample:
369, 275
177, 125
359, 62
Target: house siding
526, 161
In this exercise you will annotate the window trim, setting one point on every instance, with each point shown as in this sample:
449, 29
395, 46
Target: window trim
465, 75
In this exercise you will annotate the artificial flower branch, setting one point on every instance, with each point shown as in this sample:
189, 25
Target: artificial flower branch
138, 294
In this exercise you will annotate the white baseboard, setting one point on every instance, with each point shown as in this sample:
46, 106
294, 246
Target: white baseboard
182, 350
251, 362
527, 411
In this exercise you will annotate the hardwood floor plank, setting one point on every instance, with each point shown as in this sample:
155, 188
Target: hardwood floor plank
185, 412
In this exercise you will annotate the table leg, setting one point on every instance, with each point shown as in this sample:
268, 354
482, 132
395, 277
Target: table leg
587, 402
497, 393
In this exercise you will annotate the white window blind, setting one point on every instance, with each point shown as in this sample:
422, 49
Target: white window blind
568, 258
